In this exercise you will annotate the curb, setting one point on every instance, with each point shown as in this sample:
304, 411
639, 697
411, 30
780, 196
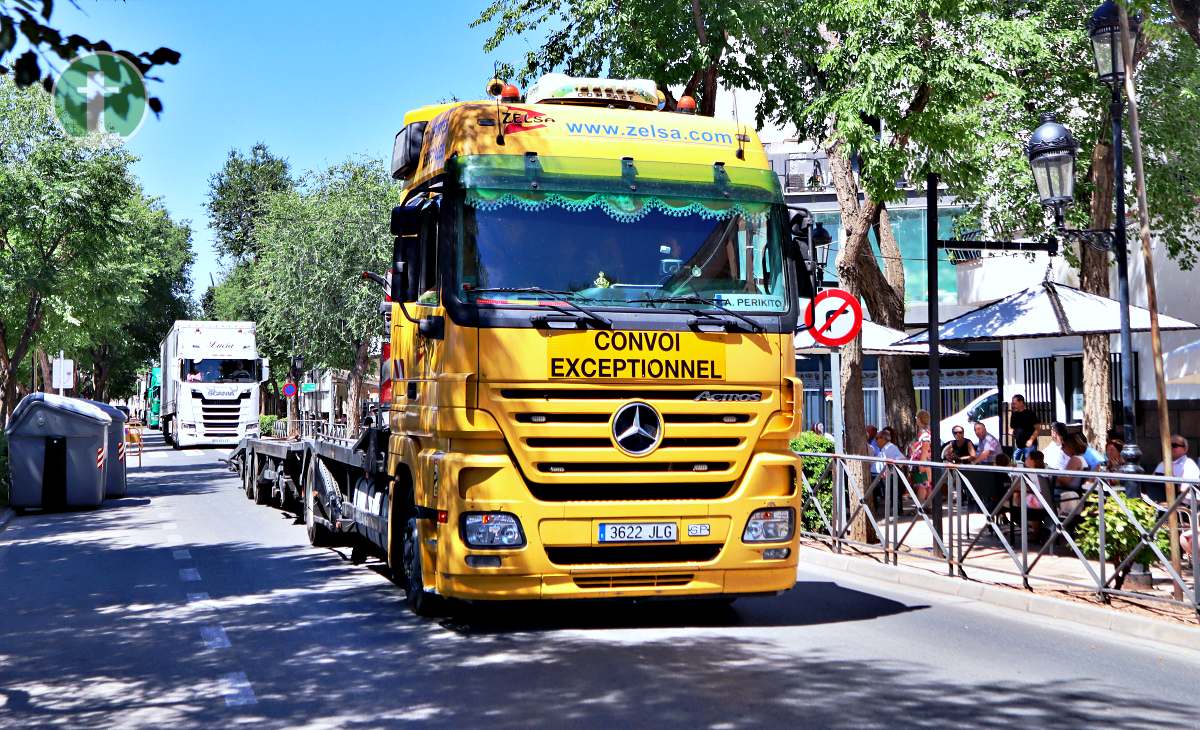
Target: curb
6, 515
1137, 627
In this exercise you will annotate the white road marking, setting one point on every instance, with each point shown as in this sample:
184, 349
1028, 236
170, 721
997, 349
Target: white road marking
189, 574
214, 637
181, 555
236, 689
197, 597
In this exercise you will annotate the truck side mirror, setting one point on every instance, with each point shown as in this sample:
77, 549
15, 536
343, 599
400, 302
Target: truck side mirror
406, 227
266, 369
406, 265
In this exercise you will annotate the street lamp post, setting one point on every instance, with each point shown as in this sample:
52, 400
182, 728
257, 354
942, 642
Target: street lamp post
1051, 151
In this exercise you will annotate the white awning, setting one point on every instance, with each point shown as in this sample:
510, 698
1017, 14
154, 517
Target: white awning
876, 340
1182, 365
1046, 310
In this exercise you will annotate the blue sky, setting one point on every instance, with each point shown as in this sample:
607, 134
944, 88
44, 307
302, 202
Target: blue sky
315, 82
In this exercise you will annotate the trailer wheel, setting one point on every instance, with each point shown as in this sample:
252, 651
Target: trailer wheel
318, 535
248, 476
262, 491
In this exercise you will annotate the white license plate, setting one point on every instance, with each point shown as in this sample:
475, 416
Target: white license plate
638, 532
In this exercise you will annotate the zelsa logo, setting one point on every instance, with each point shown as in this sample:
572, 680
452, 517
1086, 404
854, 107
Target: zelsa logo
516, 119
726, 397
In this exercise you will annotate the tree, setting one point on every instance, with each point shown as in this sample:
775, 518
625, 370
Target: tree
688, 43
314, 243
22, 18
63, 209
237, 196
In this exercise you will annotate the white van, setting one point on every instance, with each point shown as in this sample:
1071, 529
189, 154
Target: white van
985, 408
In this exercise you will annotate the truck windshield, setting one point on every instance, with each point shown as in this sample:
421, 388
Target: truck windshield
219, 371
614, 250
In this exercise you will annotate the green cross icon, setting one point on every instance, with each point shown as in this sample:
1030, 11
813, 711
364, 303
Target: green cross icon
100, 93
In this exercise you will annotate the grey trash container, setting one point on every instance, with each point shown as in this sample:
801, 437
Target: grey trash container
114, 465
57, 452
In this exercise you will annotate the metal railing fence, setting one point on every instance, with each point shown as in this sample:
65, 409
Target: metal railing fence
973, 509
311, 428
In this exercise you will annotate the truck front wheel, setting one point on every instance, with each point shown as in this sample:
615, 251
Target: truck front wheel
419, 601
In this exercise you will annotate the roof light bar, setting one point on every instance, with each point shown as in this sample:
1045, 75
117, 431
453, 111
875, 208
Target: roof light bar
563, 89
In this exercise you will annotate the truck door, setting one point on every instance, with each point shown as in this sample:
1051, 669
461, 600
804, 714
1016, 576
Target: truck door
415, 356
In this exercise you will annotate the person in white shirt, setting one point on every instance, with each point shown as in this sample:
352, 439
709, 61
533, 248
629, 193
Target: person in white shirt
1056, 458
887, 449
1181, 465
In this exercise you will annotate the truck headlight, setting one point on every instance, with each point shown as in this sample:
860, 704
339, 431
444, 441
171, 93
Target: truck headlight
492, 530
769, 525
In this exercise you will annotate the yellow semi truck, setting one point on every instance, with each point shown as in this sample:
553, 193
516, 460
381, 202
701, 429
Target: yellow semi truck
591, 329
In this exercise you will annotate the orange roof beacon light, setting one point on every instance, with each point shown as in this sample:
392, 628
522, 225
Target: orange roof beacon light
510, 94
686, 105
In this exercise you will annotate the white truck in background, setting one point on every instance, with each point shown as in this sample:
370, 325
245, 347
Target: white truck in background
211, 373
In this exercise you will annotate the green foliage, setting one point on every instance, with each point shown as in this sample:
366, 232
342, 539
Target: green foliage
266, 423
314, 243
88, 263
23, 18
1120, 534
632, 39
237, 197
814, 467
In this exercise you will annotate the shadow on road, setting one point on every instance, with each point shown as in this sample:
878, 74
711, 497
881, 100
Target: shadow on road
98, 631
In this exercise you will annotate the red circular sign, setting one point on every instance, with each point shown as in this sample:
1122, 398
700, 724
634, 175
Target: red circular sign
834, 317
289, 390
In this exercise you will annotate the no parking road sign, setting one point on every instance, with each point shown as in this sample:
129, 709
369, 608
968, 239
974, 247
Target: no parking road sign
834, 317
289, 390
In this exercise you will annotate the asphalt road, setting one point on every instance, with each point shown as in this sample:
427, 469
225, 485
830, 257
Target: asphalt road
185, 605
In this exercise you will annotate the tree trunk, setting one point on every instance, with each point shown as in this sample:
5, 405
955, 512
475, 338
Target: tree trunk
1093, 278
853, 271
47, 370
895, 371
1187, 15
354, 385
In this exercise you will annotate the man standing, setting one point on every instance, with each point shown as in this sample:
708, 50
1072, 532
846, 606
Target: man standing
886, 449
1023, 424
987, 447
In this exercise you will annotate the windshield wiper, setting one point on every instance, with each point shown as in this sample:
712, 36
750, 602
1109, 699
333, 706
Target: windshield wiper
566, 297
696, 299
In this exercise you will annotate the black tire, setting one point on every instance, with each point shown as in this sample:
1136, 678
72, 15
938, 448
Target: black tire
248, 476
318, 535
419, 601
262, 491
404, 556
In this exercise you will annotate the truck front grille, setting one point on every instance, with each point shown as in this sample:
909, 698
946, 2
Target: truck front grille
220, 416
628, 491
633, 554
633, 581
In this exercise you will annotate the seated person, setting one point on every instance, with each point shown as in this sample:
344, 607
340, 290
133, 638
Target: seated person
958, 450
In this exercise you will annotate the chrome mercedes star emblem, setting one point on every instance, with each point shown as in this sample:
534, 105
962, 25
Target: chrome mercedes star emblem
637, 428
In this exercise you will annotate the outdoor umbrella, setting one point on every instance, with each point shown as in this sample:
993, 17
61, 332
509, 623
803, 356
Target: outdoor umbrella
1182, 365
1046, 310
876, 340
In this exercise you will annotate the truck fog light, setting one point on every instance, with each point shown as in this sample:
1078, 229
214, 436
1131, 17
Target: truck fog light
769, 525
189, 427
776, 553
483, 561
492, 530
